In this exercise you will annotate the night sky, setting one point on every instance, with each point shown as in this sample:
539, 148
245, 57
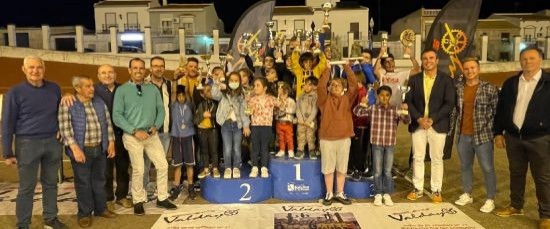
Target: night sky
72, 12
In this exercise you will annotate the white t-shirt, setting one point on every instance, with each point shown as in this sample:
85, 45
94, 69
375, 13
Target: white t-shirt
393, 80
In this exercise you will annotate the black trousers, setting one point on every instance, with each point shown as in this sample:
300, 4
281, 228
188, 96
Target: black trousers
121, 162
208, 139
534, 154
360, 156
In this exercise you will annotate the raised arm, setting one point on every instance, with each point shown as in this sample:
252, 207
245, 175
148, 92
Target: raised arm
322, 93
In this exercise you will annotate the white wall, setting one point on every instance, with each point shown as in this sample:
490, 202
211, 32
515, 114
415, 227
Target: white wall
121, 16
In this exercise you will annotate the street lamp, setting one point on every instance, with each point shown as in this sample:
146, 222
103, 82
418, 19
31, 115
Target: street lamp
371, 29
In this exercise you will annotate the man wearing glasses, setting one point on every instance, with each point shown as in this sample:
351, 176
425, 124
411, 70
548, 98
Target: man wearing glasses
138, 110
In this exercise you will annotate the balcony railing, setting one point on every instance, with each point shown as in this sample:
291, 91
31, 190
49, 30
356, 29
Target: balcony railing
131, 27
105, 27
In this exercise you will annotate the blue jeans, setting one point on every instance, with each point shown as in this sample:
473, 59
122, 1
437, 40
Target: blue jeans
383, 161
89, 182
466, 151
31, 154
165, 141
231, 137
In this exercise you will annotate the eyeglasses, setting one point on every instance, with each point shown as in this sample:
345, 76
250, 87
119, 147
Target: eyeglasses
138, 86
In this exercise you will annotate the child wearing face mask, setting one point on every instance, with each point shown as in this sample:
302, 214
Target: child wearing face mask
233, 121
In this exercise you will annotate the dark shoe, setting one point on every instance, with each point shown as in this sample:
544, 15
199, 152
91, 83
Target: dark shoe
356, 175
125, 202
509, 211
166, 204
108, 214
328, 199
313, 154
299, 155
368, 175
85, 221
55, 224
192, 193
342, 198
138, 209
175, 192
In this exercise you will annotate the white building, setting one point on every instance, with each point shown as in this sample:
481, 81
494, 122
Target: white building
125, 15
534, 27
344, 18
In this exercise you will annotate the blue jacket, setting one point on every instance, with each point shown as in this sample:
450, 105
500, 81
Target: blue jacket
78, 122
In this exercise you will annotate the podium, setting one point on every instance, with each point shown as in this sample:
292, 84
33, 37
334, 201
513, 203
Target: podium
362, 189
243, 190
297, 179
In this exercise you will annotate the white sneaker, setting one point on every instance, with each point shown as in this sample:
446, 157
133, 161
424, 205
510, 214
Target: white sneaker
377, 200
265, 173
464, 199
227, 173
280, 154
387, 200
254, 172
291, 154
236, 173
488, 207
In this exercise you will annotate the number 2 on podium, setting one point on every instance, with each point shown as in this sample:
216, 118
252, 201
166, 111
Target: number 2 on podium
298, 171
246, 196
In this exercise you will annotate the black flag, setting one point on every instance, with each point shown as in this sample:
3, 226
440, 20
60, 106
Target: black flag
252, 21
451, 35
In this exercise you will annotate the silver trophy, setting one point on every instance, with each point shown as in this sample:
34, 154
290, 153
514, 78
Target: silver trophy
279, 40
327, 6
384, 43
404, 90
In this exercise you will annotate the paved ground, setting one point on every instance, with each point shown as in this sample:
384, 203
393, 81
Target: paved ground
451, 190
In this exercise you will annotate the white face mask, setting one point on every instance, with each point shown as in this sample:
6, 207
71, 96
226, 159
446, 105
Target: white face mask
233, 85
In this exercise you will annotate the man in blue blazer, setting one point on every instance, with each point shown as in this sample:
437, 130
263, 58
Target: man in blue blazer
430, 101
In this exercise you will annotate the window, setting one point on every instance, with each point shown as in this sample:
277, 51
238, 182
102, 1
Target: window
166, 26
187, 23
354, 28
110, 20
132, 21
299, 24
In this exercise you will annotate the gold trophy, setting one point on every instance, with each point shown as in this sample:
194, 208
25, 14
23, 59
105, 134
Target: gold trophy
327, 6
384, 43
279, 40
255, 51
407, 38
299, 33
243, 43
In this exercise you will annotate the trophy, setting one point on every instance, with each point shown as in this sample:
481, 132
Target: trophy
407, 40
384, 43
270, 25
299, 33
279, 40
255, 51
404, 90
327, 6
242, 47
223, 60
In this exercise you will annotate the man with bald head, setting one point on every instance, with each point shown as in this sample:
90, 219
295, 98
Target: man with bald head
105, 90
30, 119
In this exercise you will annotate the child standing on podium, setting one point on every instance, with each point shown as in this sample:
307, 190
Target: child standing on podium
383, 118
306, 114
286, 109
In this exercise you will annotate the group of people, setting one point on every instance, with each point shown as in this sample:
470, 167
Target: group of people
348, 118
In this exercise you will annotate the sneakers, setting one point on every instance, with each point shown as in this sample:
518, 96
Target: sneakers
236, 173
125, 202
280, 154
215, 173
356, 175
138, 209
488, 207
328, 199
55, 224
166, 204
436, 197
509, 211
377, 200
464, 199
387, 200
192, 193
265, 173
313, 154
175, 192
291, 154
368, 174
342, 198
227, 173
414, 194
110, 205
299, 155
85, 221
254, 172
205, 172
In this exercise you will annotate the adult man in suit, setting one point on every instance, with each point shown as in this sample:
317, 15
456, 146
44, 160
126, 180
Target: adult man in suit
430, 102
522, 126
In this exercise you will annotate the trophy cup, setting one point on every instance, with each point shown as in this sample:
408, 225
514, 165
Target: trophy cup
243, 44
279, 39
270, 25
255, 51
327, 6
384, 43
407, 38
299, 33
223, 61
404, 90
